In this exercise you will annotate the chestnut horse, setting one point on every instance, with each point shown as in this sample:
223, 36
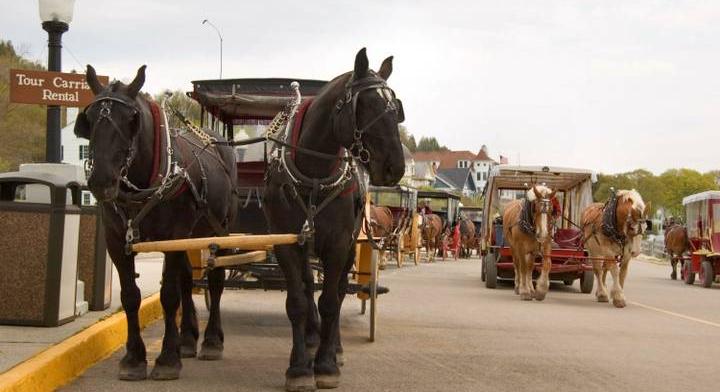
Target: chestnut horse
381, 222
528, 230
676, 244
612, 234
432, 227
467, 237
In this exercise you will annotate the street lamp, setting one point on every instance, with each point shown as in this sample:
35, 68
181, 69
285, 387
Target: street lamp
55, 16
221, 40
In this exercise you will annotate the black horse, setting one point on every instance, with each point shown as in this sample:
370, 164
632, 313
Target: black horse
320, 197
154, 184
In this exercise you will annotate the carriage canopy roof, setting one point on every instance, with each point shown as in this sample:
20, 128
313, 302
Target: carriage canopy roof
241, 99
557, 178
707, 195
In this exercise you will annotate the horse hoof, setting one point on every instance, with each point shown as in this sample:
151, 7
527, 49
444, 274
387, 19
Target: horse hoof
327, 381
300, 384
619, 303
526, 296
517, 291
165, 372
211, 351
188, 347
602, 298
133, 373
540, 296
673, 276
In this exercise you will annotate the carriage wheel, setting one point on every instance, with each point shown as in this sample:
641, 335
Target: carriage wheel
416, 257
373, 295
400, 256
587, 279
689, 274
490, 271
707, 275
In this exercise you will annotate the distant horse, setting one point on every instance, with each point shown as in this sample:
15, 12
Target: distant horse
612, 232
676, 244
322, 199
528, 230
467, 237
381, 222
153, 184
432, 227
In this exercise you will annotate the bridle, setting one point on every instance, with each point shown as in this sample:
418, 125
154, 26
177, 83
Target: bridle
105, 113
353, 88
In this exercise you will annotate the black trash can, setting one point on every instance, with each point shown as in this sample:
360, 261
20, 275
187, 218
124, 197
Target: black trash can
39, 226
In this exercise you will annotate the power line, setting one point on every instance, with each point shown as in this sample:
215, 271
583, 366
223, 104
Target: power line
74, 58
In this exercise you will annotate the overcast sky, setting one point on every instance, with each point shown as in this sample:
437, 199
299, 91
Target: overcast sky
606, 85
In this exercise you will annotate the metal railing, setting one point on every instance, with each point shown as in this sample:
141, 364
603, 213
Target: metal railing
654, 247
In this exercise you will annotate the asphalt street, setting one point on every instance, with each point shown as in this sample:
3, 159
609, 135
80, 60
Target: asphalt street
440, 329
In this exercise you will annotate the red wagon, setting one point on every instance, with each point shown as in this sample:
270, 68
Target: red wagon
702, 211
574, 193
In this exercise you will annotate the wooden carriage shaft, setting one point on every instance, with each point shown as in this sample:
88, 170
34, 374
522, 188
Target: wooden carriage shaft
243, 242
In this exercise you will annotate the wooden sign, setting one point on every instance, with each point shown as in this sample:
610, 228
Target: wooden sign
51, 88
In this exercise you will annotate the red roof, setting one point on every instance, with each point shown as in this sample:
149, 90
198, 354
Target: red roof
449, 159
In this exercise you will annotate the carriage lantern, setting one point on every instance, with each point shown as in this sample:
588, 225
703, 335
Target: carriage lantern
56, 16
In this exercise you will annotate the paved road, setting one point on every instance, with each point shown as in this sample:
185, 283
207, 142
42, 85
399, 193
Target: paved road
440, 329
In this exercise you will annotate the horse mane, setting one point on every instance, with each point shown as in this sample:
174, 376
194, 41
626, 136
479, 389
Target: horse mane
632, 195
542, 190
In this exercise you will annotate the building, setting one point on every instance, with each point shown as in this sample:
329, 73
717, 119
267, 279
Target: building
456, 179
75, 150
477, 166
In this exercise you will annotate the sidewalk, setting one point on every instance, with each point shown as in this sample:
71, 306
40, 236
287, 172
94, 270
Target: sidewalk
17, 344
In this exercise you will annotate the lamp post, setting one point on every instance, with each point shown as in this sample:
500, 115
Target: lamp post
221, 40
56, 16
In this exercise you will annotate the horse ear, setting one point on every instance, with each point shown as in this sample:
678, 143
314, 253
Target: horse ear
536, 192
386, 68
136, 85
361, 64
92, 80
82, 126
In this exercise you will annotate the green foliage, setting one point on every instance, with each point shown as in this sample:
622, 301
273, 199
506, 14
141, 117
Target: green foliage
407, 139
184, 104
430, 144
22, 127
472, 201
664, 191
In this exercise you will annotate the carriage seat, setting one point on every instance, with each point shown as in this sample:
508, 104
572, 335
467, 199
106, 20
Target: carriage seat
570, 238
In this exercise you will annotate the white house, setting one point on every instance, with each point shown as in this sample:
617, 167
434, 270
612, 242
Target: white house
75, 150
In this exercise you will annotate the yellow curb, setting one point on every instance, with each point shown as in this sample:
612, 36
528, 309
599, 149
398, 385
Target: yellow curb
68, 359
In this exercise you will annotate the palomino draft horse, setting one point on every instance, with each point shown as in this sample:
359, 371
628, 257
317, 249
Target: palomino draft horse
381, 223
154, 184
320, 198
468, 240
528, 231
432, 230
676, 244
612, 233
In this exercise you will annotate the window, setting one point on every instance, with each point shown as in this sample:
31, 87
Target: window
86, 198
484, 176
463, 164
84, 152
479, 176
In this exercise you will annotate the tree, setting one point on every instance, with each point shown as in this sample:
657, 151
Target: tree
22, 127
430, 144
187, 106
407, 139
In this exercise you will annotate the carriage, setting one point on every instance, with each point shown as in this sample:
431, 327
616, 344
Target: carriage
404, 240
574, 193
447, 206
242, 109
702, 212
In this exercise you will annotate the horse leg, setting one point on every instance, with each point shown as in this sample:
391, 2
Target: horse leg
517, 269
601, 292
529, 268
299, 375
312, 326
673, 264
342, 291
168, 364
524, 291
133, 366
214, 338
543, 284
189, 331
617, 295
327, 373
623, 271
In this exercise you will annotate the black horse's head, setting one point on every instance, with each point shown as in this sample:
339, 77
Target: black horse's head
111, 123
370, 121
